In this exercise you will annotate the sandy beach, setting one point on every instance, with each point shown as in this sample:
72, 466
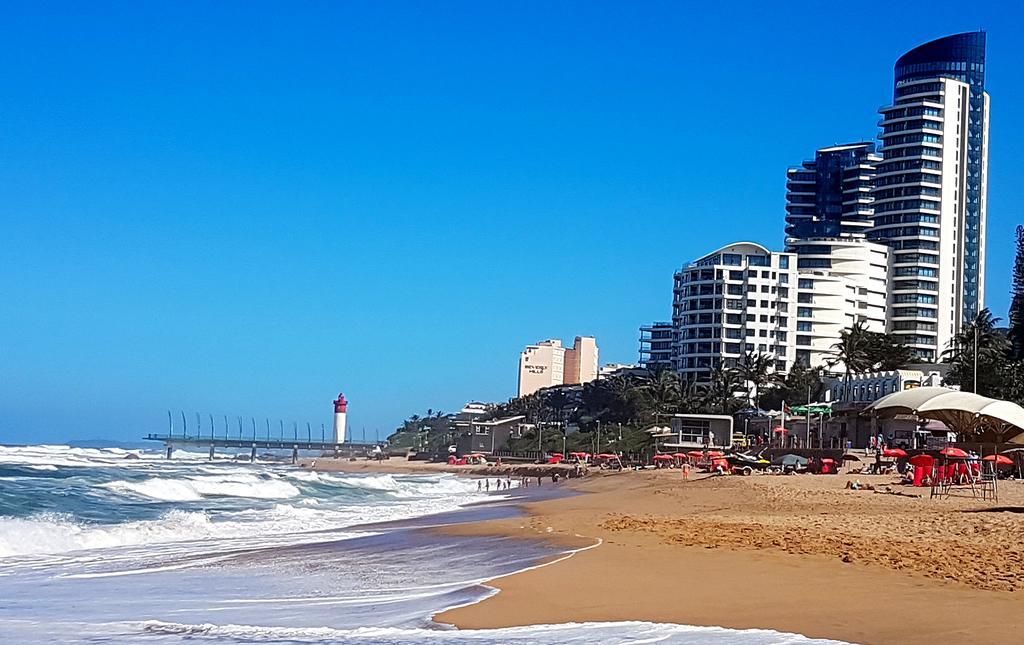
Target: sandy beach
791, 553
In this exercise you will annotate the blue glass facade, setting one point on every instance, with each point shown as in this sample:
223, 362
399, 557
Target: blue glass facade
824, 195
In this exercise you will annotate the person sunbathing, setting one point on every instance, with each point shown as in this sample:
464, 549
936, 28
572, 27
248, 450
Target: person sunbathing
856, 485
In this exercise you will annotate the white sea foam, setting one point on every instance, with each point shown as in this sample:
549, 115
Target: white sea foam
565, 633
196, 488
50, 533
55, 455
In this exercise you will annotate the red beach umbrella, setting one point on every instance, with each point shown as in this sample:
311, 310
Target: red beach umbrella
926, 461
1002, 460
953, 453
663, 457
894, 452
780, 430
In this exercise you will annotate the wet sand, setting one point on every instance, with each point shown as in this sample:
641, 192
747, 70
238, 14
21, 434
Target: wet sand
791, 553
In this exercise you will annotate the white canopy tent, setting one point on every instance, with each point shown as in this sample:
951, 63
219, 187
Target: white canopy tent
963, 412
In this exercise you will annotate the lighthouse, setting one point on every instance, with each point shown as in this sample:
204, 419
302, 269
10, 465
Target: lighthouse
340, 411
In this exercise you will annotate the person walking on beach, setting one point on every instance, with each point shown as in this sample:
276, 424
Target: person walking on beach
487, 485
479, 485
538, 480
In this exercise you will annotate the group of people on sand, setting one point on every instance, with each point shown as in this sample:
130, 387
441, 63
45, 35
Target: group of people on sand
499, 484
524, 481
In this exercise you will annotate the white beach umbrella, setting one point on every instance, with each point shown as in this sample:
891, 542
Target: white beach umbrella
962, 412
905, 401
958, 410
1006, 418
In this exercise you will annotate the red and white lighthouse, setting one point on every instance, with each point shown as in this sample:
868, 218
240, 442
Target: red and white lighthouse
340, 412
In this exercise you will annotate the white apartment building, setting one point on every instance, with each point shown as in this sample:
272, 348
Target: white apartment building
541, 365
744, 298
738, 299
930, 195
549, 363
840, 282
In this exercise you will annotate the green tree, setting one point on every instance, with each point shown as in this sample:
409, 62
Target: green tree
660, 394
1016, 333
853, 352
757, 370
803, 384
884, 353
719, 392
978, 348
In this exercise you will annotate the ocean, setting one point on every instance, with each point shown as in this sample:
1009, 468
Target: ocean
123, 546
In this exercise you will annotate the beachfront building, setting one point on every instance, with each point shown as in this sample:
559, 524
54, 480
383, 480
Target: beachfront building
541, 365
792, 306
842, 278
484, 437
657, 346
850, 397
581, 361
866, 388
840, 282
736, 300
930, 194
830, 196
549, 363
611, 369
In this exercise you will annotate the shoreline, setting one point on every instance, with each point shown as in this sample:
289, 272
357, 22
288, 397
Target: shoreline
649, 572
793, 554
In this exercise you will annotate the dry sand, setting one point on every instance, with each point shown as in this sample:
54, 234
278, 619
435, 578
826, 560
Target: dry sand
791, 553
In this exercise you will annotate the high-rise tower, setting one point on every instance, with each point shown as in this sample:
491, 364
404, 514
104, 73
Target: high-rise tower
930, 195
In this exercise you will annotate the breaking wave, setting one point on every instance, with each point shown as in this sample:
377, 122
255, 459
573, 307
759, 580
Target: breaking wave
196, 488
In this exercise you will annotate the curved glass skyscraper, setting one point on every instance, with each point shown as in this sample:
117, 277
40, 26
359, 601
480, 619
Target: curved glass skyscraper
930, 195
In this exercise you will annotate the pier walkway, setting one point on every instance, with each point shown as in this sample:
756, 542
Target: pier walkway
346, 449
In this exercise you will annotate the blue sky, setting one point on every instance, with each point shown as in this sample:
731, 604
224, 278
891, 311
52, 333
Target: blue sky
245, 208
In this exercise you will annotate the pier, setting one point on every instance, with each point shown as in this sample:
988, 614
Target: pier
346, 449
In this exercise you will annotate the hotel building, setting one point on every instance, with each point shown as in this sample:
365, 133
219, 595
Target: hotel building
548, 363
842, 278
735, 300
892, 238
930, 195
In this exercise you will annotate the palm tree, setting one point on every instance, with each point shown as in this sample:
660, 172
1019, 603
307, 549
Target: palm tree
661, 394
979, 349
757, 370
888, 354
720, 390
852, 351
